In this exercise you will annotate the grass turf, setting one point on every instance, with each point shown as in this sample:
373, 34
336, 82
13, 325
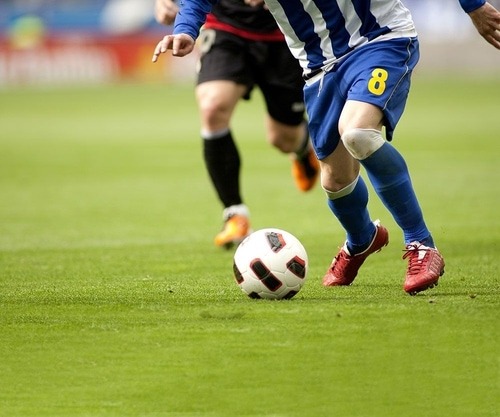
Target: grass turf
114, 301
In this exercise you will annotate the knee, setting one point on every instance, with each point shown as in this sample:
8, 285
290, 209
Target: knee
361, 143
214, 112
211, 110
338, 192
333, 181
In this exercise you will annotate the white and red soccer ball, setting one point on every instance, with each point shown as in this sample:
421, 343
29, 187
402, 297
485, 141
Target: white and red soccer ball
270, 263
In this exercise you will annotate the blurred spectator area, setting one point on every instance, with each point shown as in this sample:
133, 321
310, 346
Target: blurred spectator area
83, 41
449, 42
93, 41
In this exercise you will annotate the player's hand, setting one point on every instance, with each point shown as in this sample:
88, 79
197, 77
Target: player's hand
180, 45
255, 3
486, 19
165, 11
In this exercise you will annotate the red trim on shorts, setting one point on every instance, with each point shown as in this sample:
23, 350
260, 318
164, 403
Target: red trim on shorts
213, 23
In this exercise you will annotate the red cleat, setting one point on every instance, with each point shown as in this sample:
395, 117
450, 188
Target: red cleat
425, 266
345, 266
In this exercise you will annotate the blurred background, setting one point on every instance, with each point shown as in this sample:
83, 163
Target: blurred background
54, 42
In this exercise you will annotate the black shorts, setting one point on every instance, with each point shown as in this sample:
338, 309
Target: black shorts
269, 65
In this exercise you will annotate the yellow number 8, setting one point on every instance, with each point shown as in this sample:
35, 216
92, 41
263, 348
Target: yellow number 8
376, 85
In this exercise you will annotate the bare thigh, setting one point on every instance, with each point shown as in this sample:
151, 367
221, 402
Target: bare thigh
216, 103
357, 114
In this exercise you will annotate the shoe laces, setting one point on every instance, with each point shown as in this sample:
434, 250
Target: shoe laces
341, 261
416, 253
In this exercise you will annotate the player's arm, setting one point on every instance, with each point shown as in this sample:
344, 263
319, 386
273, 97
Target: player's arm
165, 11
189, 20
485, 18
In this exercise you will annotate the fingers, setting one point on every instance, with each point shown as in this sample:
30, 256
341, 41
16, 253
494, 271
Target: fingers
254, 3
495, 30
494, 39
486, 19
180, 45
162, 47
492, 35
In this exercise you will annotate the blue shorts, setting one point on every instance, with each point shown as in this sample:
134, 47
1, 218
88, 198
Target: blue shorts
378, 73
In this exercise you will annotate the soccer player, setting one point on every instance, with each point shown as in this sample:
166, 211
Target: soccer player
357, 58
242, 47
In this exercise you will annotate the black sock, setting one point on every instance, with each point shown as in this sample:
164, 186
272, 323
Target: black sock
222, 161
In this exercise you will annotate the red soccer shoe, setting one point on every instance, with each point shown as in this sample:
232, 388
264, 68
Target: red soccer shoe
345, 266
425, 266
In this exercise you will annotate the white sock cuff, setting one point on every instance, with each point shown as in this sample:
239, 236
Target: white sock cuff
238, 209
333, 195
207, 135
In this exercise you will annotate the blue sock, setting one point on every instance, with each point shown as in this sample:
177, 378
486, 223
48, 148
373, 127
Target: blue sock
351, 210
390, 178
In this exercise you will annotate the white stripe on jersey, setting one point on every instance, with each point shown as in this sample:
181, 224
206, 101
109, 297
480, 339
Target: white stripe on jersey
354, 24
314, 36
295, 45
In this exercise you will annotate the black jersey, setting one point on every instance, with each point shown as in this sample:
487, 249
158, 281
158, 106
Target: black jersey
237, 14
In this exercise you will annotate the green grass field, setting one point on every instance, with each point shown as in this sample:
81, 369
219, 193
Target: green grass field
114, 301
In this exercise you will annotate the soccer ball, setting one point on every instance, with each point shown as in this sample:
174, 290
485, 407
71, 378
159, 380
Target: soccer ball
270, 263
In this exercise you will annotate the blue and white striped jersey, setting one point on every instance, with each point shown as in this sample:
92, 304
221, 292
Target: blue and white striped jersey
320, 32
